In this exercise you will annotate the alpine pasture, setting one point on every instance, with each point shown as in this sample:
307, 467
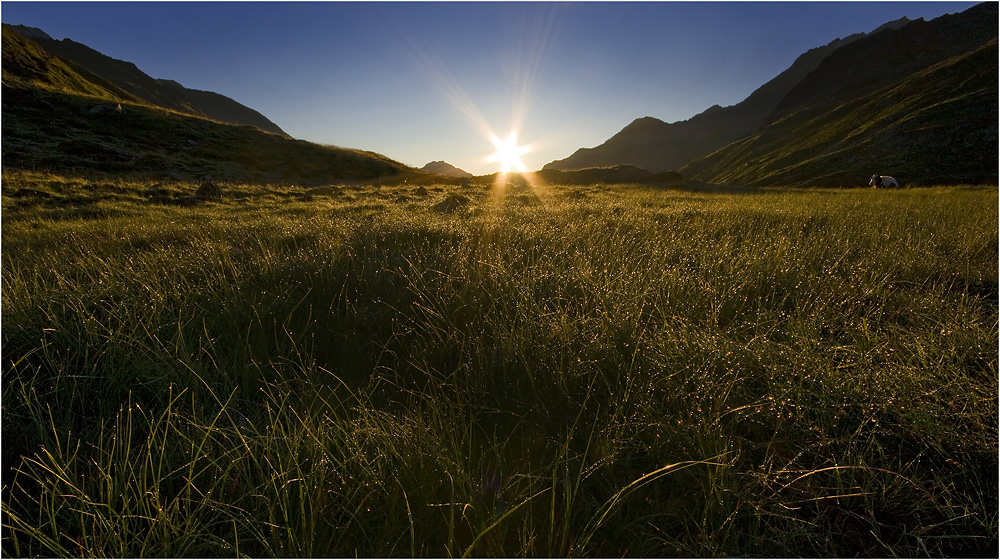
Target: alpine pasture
595, 370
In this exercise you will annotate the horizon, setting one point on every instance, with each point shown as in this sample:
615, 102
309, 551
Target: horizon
423, 82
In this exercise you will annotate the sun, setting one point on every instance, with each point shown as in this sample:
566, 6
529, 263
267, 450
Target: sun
509, 154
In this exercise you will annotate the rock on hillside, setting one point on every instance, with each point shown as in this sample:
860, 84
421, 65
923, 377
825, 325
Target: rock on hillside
446, 169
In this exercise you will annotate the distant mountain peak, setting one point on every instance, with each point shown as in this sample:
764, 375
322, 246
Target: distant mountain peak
446, 169
646, 121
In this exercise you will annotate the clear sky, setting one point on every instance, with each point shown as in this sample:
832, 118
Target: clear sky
420, 82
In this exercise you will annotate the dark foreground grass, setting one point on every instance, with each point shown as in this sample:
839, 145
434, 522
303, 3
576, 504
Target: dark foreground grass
585, 371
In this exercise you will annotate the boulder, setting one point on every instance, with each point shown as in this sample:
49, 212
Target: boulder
156, 195
453, 203
106, 107
208, 191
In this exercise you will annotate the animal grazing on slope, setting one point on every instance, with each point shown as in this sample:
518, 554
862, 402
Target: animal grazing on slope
882, 181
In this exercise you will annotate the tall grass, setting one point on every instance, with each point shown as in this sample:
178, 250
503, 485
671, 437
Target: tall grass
555, 371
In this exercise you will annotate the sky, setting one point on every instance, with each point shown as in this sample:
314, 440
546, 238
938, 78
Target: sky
429, 81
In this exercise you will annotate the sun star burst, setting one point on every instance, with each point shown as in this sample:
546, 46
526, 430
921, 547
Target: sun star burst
509, 154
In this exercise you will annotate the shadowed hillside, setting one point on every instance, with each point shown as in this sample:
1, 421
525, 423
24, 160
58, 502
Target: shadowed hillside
658, 146
878, 61
919, 103
162, 93
915, 99
59, 117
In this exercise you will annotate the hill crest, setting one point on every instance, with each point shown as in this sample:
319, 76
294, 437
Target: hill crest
139, 86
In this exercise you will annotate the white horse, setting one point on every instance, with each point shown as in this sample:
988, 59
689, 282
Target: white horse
882, 181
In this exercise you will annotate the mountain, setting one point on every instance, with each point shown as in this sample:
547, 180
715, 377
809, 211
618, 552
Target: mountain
446, 169
142, 88
919, 103
658, 146
59, 117
25, 63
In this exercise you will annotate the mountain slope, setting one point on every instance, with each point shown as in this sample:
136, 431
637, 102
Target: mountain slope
25, 62
162, 93
875, 62
63, 133
658, 146
919, 103
60, 118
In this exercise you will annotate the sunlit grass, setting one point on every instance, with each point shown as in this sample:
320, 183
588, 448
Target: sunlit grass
575, 371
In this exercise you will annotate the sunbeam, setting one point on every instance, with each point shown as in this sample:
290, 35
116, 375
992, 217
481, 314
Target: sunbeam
509, 154
528, 47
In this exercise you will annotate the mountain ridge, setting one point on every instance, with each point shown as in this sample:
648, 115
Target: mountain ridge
164, 93
658, 146
919, 103
900, 54
60, 118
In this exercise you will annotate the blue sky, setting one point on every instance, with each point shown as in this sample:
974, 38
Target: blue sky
430, 81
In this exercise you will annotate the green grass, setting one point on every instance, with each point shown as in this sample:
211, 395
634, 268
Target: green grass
558, 371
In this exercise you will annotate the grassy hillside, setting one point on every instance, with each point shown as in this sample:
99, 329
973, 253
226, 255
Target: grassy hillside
582, 371
914, 99
139, 87
936, 125
879, 61
658, 146
60, 118
26, 64
56, 132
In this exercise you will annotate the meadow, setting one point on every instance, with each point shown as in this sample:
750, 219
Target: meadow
474, 370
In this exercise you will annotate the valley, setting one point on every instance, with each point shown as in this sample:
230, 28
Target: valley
700, 339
